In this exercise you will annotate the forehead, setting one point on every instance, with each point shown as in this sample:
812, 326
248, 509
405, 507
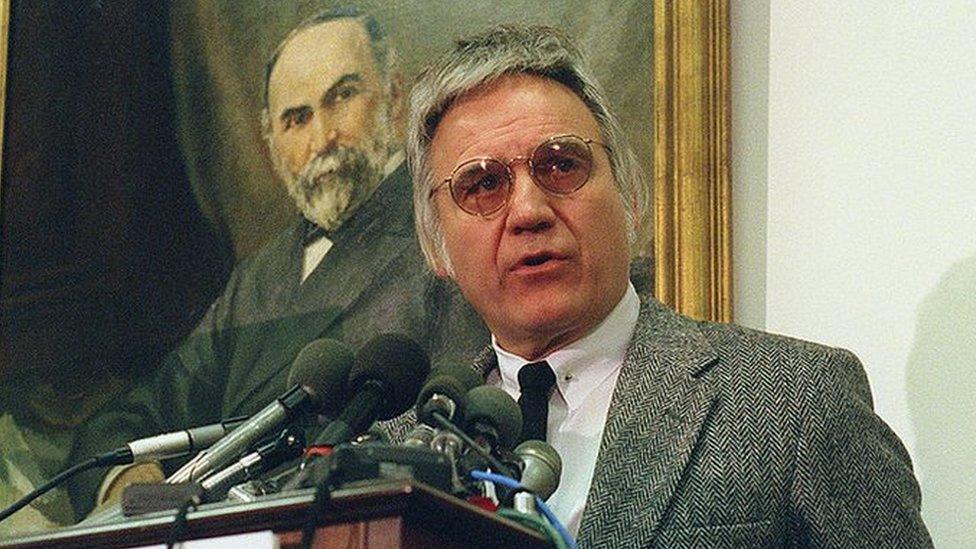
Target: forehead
509, 117
318, 56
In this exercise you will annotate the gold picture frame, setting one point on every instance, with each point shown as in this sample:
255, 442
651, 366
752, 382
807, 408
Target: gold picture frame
692, 183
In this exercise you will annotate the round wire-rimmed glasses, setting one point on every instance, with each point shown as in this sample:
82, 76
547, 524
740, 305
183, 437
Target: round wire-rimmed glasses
560, 165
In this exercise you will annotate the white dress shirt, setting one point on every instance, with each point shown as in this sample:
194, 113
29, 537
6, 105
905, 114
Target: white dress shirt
586, 374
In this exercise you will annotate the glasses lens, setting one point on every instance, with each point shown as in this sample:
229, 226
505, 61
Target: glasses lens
481, 186
562, 164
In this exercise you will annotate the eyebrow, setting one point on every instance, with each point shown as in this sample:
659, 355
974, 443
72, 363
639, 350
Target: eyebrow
327, 96
348, 78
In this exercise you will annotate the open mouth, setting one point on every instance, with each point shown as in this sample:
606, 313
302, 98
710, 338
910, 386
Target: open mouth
536, 260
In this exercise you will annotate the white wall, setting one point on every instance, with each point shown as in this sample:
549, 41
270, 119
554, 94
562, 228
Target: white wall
866, 191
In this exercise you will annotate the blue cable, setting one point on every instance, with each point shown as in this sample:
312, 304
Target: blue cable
509, 482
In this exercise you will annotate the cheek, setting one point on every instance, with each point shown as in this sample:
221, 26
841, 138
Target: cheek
357, 119
290, 149
471, 246
464, 252
605, 233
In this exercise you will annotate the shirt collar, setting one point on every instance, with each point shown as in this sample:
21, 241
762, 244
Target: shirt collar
393, 162
585, 363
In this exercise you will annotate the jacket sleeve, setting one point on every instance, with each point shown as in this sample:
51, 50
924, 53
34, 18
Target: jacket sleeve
854, 485
455, 334
187, 386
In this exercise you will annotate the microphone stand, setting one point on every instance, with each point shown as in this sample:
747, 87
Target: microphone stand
448, 425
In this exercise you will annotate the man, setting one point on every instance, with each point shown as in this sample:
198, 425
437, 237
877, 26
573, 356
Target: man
348, 269
673, 433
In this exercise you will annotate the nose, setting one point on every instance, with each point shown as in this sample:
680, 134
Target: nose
322, 136
529, 207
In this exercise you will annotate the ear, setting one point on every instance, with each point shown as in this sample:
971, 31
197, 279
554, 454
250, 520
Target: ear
266, 129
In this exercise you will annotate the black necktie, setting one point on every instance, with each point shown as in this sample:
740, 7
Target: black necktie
312, 232
536, 381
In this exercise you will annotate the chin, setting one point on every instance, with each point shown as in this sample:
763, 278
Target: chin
329, 203
551, 318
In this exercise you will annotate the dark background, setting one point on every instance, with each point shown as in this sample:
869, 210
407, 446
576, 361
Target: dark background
106, 261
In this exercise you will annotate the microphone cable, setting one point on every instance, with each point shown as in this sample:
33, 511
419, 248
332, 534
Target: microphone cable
103, 460
323, 495
178, 529
449, 425
563, 535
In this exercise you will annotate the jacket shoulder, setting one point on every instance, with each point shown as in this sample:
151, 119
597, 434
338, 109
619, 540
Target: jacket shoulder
749, 352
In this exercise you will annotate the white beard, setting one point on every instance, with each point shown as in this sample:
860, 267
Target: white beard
332, 185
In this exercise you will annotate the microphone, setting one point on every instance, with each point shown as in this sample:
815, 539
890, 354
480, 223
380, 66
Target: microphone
493, 417
541, 467
288, 445
445, 392
420, 436
317, 381
385, 379
494, 421
174, 444
384, 382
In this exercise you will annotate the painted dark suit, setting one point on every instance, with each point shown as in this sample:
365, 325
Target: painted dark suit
372, 281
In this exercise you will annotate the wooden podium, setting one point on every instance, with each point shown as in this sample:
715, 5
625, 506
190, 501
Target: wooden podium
382, 514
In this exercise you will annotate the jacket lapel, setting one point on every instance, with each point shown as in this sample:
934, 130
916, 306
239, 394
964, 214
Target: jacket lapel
659, 405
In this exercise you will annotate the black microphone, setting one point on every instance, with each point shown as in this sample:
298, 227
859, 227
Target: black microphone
492, 417
445, 392
287, 446
317, 380
541, 467
384, 382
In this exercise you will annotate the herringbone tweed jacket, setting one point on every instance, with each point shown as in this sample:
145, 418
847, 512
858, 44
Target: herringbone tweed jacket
721, 436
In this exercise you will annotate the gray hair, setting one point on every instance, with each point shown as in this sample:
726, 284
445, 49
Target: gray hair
482, 60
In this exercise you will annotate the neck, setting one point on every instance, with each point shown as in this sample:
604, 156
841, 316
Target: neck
535, 349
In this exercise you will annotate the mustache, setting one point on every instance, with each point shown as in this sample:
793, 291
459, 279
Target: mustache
341, 162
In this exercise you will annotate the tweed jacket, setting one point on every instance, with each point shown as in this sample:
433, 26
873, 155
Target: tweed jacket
721, 436
237, 360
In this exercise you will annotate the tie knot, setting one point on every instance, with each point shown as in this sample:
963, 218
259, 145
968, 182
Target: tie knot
536, 377
312, 232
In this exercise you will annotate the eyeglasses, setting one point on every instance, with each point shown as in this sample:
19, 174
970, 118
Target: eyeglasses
559, 165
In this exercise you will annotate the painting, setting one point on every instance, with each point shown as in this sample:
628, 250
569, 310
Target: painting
137, 170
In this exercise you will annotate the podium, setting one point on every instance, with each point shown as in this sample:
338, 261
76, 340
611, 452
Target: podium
401, 513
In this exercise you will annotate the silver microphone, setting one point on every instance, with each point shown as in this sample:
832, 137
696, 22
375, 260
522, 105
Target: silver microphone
420, 436
541, 467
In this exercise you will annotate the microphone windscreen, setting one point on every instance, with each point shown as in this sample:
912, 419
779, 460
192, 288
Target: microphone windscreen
454, 382
541, 467
495, 407
468, 377
440, 385
322, 369
398, 364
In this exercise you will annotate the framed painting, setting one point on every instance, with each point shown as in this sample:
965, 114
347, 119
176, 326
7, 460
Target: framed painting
136, 172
